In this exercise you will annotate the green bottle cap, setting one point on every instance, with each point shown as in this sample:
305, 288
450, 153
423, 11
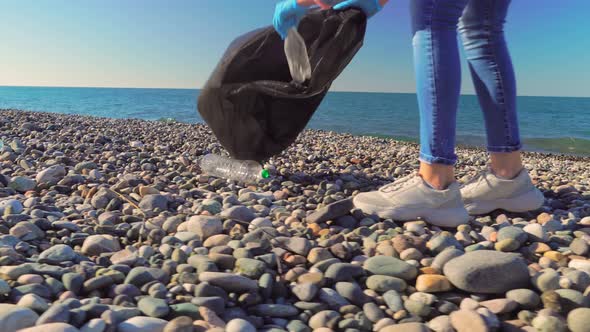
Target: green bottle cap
265, 174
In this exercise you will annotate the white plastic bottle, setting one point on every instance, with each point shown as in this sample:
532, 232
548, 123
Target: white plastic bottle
297, 57
246, 171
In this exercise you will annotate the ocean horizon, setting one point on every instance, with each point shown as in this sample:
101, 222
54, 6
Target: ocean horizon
547, 124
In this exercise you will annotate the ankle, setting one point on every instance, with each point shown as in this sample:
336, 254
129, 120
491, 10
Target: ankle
507, 173
437, 182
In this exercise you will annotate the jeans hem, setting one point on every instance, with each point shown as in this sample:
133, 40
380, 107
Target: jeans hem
436, 160
509, 148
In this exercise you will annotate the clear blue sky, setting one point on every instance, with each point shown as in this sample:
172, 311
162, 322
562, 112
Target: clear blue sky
176, 43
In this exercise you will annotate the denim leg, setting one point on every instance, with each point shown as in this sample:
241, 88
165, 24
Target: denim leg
482, 32
438, 75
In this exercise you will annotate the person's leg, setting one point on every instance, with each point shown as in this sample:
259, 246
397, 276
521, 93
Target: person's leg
438, 82
482, 32
508, 185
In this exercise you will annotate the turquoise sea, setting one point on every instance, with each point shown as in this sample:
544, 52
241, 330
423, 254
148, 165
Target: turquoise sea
550, 124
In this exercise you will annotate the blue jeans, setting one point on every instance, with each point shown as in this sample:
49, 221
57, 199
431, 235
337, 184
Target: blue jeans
438, 73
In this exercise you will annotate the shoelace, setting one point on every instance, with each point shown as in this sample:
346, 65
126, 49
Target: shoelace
398, 184
480, 175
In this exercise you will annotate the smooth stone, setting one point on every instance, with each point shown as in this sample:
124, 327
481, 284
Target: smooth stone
249, 267
215, 303
373, 312
297, 245
579, 264
229, 281
4, 287
14, 318
240, 213
324, 318
154, 201
73, 282
185, 309
390, 266
579, 247
580, 280
306, 291
578, 320
330, 211
142, 324
393, 300
33, 302
275, 310
344, 272
153, 307
57, 313
331, 298
535, 232
512, 232
140, 275
468, 321
15, 206
548, 324
507, 245
22, 184
417, 308
526, 298
58, 253
382, 283
406, 327
487, 271
94, 325
352, 292
500, 306
442, 241
441, 324
571, 299
95, 245
204, 226
27, 231
547, 280
50, 176
444, 257
239, 325
51, 327
180, 324
432, 283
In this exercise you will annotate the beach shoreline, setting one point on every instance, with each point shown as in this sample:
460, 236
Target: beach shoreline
110, 222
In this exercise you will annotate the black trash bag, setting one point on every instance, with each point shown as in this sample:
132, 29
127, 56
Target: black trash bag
250, 103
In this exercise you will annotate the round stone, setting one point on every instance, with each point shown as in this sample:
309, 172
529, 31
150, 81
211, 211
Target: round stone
433, 283
239, 325
468, 321
487, 271
142, 324
578, 320
381, 283
526, 298
548, 324
14, 318
153, 307
58, 253
579, 247
390, 266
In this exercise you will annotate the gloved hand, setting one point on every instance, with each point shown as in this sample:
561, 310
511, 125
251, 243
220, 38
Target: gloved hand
370, 7
288, 13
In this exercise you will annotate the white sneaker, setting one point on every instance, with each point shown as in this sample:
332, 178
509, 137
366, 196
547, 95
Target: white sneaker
487, 192
410, 198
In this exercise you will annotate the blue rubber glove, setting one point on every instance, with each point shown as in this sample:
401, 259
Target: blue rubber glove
287, 15
370, 7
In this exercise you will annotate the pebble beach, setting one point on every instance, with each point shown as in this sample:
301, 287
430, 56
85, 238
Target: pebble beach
109, 225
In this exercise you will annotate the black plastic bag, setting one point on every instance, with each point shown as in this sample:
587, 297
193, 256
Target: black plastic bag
249, 101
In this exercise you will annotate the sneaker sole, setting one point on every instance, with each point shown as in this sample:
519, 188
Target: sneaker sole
442, 217
529, 201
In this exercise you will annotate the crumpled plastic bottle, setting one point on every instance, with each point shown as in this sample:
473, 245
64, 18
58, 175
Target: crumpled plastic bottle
297, 57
